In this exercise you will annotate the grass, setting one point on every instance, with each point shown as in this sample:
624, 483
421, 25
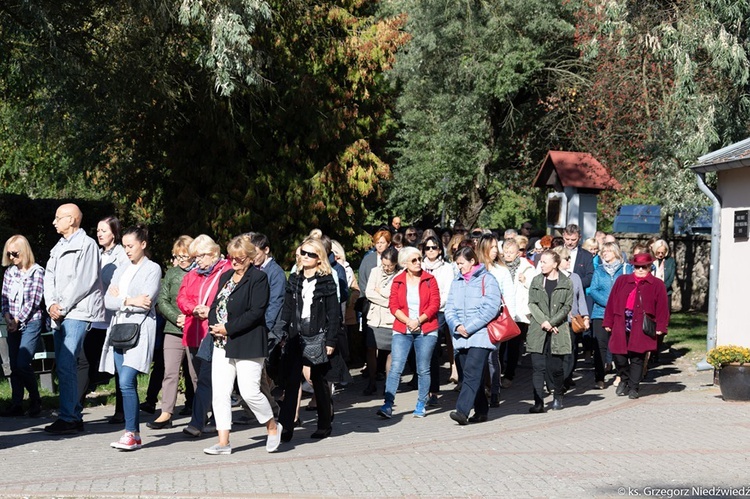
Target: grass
104, 395
687, 333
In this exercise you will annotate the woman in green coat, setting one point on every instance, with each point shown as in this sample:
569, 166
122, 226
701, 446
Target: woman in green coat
548, 339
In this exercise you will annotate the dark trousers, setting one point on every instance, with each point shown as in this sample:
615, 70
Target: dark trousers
571, 359
437, 353
601, 347
88, 363
511, 350
293, 366
203, 394
630, 369
473, 362
543, 363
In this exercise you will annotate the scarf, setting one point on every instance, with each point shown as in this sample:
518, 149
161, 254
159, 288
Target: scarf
207, 271
611, 268
513, 267
630, 302
431, 267
473, 271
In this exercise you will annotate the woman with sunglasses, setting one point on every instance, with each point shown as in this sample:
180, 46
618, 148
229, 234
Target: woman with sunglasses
434, 263
174, 350
238, 324
23, 290
197, 292
414, 303
311, 318
633, 296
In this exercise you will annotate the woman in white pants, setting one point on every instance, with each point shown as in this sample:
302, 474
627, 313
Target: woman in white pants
237, 322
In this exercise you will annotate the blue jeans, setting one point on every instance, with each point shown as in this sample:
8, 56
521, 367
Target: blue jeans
129, 387
401, 344
68, 343
21, 349
203, 394
473, 361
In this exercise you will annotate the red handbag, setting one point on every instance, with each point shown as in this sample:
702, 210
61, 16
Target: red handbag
503, 327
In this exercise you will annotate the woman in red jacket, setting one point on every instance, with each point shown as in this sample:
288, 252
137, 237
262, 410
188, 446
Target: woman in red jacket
414, 302
633, 296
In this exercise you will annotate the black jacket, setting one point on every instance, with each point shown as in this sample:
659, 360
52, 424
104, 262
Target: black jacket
325, 311
584, 266
246, 315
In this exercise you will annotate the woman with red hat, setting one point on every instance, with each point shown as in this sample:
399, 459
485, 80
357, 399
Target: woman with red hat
633, 296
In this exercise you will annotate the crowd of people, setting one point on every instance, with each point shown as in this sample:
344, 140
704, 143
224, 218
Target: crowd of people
243, 333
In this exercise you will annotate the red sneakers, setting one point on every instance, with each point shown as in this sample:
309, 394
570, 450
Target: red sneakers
128, 441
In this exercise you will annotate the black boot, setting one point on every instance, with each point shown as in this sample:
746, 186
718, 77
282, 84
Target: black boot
537, 408
557, 403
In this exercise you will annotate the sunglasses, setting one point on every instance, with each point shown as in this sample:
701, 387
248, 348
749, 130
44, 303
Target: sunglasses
238, 259
642, 266
308, 254
430, 248
12, 254
415, 260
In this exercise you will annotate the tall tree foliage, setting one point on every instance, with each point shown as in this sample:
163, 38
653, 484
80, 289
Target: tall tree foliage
471, 80
210, 116
665, 82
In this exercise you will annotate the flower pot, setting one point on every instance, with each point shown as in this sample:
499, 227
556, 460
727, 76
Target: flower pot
734, 382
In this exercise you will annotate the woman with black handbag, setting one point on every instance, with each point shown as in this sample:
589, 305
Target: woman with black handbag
238, 325
637, 312
132, 297
311, 318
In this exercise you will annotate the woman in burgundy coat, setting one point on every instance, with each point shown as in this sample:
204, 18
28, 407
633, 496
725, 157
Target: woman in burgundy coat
633, 295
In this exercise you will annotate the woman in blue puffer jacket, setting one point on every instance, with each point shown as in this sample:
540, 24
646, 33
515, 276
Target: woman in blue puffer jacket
473, 301
612, 266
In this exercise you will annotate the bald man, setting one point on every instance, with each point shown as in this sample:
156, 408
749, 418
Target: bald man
74, 299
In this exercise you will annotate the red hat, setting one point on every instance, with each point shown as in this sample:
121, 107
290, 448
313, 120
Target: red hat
642, 259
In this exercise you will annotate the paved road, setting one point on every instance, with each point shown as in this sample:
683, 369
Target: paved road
680, 436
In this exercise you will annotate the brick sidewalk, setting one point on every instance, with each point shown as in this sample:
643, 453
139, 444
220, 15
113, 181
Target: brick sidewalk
680, 433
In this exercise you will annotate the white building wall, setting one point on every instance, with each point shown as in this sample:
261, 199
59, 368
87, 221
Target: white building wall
733, 324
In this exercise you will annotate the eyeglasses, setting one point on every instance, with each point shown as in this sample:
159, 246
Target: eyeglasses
430, 248
308, 254
181, 258
238, 259
410, 234
202, 255
12, 254
57, 219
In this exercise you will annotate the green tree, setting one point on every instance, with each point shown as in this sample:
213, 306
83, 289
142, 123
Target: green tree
471, 80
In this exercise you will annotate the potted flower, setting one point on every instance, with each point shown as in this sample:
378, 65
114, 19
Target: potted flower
733, 365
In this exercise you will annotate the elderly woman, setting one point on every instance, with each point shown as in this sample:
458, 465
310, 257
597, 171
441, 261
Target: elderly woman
311, 318
633, 297
414, 302
238, 325
197, 292
132, 296
174, 350
379, 317
579, 307
473, 301
611, 267
22, 295
548, 339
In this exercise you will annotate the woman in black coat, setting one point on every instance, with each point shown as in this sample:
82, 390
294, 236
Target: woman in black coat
311, 318
237, 323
